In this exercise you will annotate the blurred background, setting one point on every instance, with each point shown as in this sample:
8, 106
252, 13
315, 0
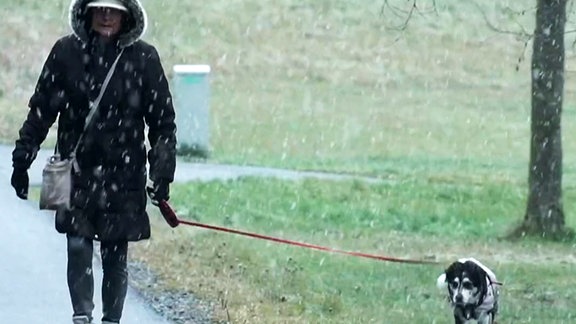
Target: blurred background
432, 100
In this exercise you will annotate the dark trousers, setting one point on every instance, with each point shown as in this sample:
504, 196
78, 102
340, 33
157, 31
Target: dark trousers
81, 280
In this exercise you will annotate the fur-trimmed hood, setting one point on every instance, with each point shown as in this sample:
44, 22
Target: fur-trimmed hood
137, 21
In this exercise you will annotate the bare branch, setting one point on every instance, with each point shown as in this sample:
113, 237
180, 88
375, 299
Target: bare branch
398, 12
519, 12
434, 8
522, 34
405, 14
405, 24
522, 56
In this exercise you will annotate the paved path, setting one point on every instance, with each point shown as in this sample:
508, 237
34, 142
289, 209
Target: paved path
33, 265
198, 171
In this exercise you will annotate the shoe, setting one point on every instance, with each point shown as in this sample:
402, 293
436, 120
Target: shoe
81, 319
108, 322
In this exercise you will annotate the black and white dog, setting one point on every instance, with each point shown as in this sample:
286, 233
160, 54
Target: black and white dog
472, 290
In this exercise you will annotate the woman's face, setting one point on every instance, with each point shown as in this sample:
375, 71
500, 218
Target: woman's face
106, 21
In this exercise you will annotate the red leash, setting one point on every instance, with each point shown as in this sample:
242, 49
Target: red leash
173, 221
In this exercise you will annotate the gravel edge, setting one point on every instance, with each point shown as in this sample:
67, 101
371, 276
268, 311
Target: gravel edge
179, 307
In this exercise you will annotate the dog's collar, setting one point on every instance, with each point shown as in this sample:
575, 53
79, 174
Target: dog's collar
467, 312
470, 312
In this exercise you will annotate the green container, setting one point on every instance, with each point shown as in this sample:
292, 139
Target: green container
191, 88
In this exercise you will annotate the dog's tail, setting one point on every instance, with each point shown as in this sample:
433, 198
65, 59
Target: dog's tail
441, 281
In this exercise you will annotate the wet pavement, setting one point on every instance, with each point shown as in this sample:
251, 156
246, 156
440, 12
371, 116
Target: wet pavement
33, 285
200, 171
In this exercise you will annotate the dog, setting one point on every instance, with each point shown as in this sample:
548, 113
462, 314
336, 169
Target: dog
473, 291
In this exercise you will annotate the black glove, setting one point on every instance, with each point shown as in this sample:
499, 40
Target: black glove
159, 191
20, 182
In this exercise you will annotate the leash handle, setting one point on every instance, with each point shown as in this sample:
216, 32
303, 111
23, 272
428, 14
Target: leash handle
168, 213
173, 221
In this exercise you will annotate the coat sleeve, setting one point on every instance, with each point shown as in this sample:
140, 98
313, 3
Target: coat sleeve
160, 118
43, 111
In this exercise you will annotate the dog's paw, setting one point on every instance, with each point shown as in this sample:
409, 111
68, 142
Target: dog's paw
441, 281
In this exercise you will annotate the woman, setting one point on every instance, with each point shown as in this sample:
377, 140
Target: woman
109, 192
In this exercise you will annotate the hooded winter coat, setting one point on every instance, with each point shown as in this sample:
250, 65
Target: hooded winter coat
108, 196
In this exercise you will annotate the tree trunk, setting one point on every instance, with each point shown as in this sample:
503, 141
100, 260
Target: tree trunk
544, 212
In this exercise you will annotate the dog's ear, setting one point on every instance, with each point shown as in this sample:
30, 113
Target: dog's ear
479, 276
452, 271
441, 282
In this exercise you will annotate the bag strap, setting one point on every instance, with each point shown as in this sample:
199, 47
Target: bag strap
95, 104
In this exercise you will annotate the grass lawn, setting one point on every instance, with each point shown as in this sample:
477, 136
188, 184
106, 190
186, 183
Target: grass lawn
257, 281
